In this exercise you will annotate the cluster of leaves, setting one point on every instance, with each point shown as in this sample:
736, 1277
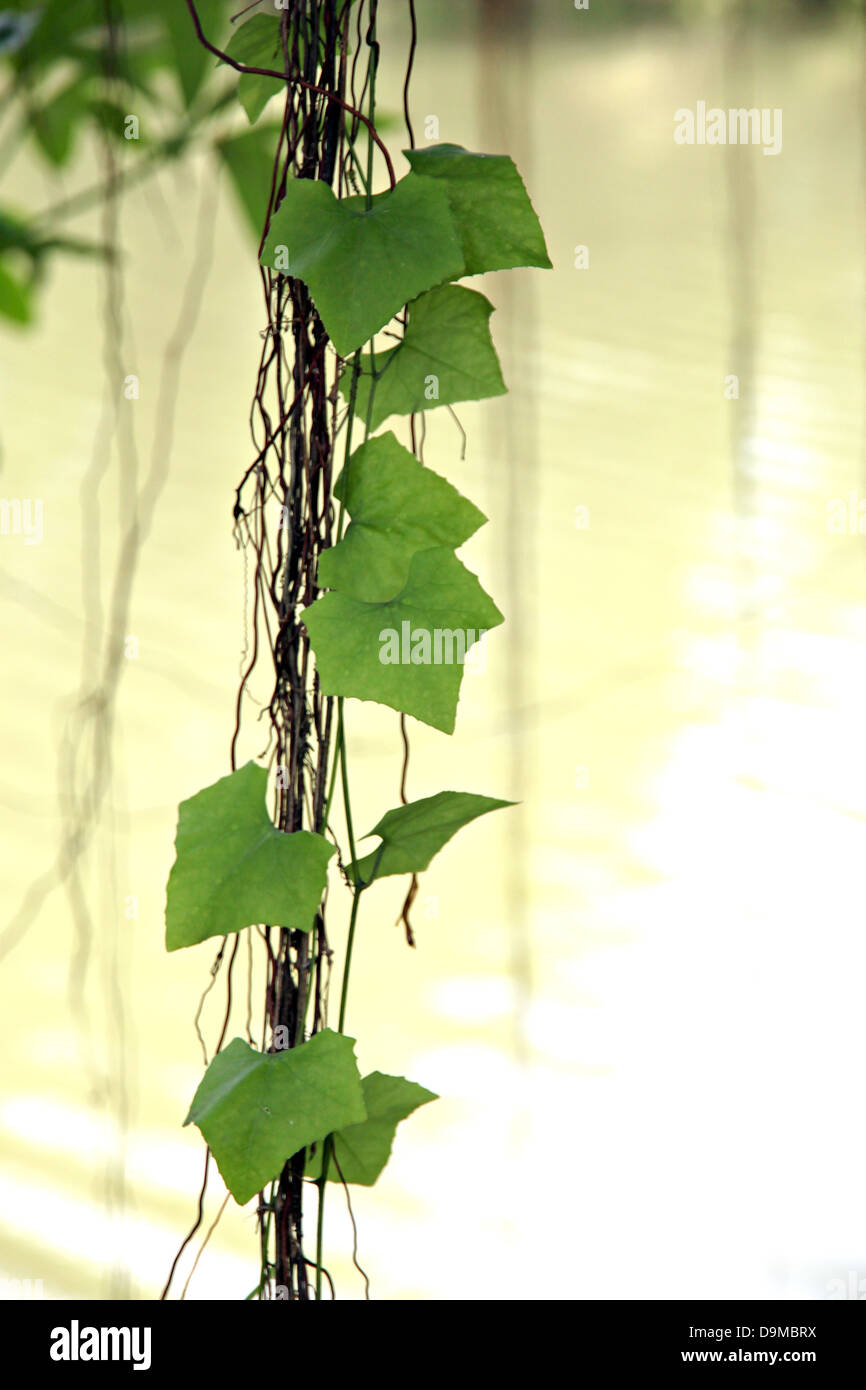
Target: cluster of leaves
396, 565
370, 263
256, 1109
68, 76
454, 214
234, 869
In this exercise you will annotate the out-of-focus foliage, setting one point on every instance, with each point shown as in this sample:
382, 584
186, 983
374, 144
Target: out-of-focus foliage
79, 74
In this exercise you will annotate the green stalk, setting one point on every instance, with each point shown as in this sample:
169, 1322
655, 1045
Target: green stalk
340, 750
320, 1221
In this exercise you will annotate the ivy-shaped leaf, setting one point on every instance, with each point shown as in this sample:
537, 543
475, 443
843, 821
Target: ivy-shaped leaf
361, 1151
412, 834
256, 1109
249, 159
495, 220
397, 506
407, 653
234, 868
257, 44
362, 265
447, 355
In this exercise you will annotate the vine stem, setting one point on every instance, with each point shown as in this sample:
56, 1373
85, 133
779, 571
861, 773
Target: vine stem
299, 81
344, 991
340, 757
340, 750
359, 886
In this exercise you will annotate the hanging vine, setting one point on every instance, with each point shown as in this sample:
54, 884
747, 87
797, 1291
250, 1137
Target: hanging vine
357, 592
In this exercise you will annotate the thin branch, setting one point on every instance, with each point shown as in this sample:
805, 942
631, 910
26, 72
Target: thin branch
210, 1232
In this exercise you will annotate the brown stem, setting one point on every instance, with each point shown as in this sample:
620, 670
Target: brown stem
298, 81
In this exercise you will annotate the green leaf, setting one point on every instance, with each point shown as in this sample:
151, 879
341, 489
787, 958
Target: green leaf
257, 44
17, 234
495, 220
413, 834
397, 507
55, 124
112, 117
363, 1150
15, 299
447, 355
256, 1109
234, 868
249, 159
254, 92
387, 652
192, 60
362, 266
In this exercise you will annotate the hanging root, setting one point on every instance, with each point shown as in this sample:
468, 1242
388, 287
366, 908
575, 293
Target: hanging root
404, 915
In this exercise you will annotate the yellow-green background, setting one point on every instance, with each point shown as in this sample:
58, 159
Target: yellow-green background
640, 995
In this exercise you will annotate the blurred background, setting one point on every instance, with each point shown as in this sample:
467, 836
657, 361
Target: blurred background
638, 994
